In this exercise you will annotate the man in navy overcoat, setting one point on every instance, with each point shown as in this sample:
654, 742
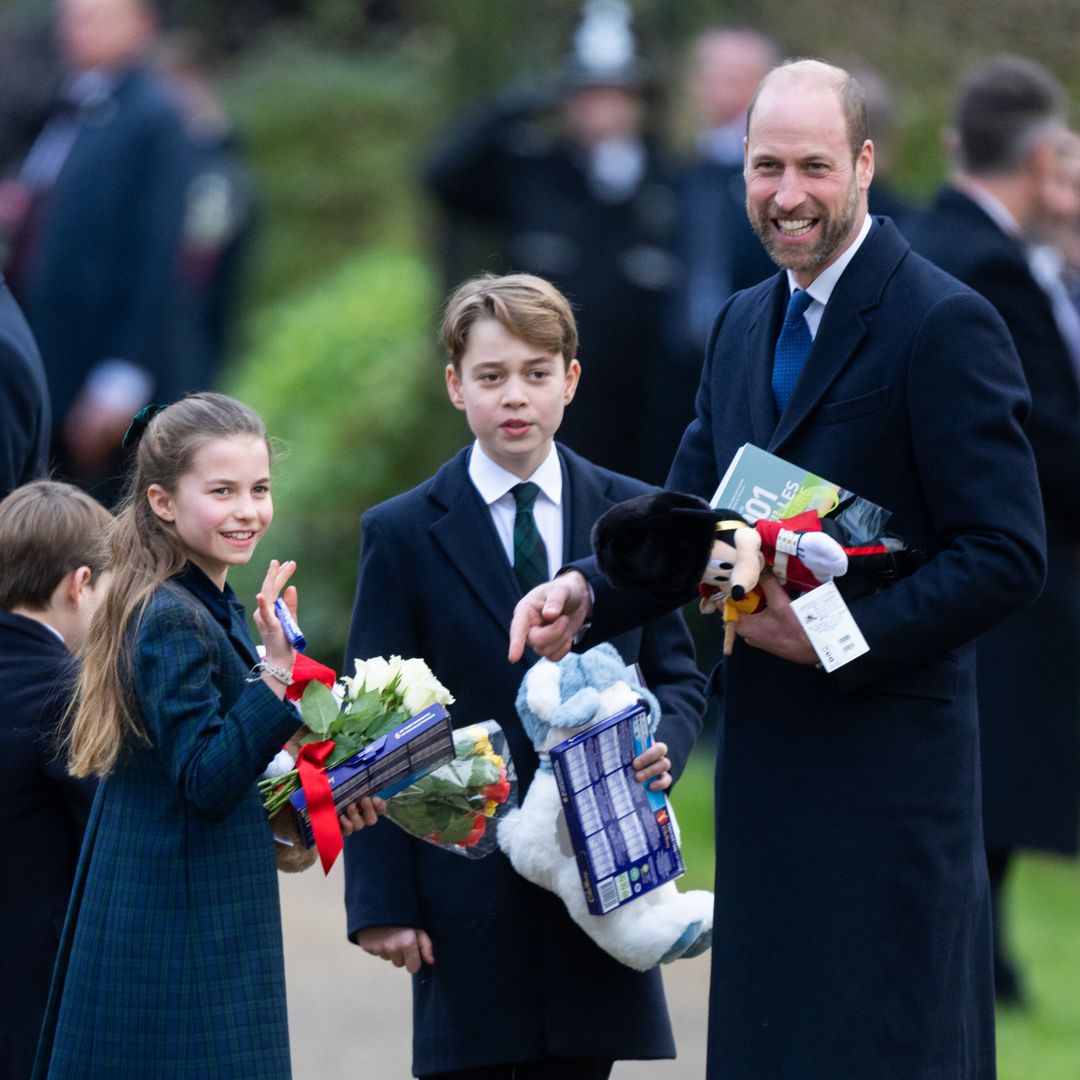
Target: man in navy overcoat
94, 260
852, 903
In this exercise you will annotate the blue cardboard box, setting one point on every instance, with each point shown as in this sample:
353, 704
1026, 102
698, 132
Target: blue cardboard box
388, 765
622, 833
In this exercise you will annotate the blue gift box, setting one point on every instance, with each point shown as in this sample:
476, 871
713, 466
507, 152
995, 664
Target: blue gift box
386, 766
621, 832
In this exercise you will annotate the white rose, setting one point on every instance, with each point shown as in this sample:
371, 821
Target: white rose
371, 674
420, 688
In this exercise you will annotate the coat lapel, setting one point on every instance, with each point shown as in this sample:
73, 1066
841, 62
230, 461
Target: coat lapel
585, 497
466, 534
761, 338
843, 326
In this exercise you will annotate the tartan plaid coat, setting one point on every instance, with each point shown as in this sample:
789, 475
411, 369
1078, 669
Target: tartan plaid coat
170, 963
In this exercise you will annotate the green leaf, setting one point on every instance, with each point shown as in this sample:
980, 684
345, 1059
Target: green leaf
319, 708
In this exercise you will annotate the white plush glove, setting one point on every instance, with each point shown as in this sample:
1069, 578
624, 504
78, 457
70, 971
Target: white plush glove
822, 556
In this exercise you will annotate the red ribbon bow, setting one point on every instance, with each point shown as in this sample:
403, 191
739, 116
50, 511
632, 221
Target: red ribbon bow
306, 670
320, 801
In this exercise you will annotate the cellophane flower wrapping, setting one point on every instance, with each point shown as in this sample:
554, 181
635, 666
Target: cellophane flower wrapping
351, 712
457, 806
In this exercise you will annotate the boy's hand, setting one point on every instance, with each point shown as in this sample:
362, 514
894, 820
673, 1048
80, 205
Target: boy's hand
358, 815
401, 945
548, 617
654, 761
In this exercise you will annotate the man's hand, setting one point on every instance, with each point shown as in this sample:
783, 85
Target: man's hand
548, 617
654, 762
401, 945
93, 432
776, 629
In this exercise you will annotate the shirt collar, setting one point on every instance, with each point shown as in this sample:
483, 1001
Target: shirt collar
821, 288
221, 603
493, 481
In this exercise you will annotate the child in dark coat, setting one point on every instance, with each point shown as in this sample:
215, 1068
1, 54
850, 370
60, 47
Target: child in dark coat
53, 572
504, 984
171, 961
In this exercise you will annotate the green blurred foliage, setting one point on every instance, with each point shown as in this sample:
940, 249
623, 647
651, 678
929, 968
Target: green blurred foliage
347, 377
335, 139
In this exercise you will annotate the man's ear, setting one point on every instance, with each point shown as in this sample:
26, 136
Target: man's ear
160, 502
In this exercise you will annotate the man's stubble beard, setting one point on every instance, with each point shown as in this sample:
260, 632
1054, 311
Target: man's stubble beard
833, 232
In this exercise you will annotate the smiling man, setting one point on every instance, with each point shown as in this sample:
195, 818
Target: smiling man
851, 893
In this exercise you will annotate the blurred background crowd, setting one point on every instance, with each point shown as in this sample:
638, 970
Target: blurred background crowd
271, 197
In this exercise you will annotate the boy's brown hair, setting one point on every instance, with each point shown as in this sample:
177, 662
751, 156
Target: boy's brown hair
48, 529
526, 306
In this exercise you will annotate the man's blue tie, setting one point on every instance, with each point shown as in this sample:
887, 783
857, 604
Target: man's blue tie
792, 348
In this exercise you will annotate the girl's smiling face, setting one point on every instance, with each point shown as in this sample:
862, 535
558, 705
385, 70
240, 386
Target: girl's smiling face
222, 505
512, 394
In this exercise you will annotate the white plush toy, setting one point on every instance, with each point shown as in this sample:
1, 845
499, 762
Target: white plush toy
556, 701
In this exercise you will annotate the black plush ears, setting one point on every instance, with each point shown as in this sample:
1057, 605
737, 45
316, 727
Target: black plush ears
660, 542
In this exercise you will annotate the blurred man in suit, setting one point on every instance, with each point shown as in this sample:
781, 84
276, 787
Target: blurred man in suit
94, 253
24, 400
1008, 140
719, 249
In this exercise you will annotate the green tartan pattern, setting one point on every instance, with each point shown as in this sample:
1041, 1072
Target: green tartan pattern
170, 964
530, 554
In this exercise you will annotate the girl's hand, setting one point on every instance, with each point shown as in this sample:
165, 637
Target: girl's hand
357, 815
278, 650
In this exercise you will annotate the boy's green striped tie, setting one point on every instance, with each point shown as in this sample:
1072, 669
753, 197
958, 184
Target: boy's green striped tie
530, 555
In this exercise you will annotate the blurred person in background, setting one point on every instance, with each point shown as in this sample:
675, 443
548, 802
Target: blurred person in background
25, 418
95, 238
1009, 146
881, 117
218, 211
578, 193
720, 252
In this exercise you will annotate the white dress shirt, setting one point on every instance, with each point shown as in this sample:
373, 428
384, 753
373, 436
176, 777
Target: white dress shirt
494, 484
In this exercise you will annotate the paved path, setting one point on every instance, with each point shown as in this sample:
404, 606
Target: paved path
350, 1015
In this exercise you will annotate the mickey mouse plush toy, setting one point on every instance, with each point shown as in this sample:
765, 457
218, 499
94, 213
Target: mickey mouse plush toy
669, 542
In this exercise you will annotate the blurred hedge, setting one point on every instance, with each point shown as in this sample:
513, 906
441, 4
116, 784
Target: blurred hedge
348, 377
334, 139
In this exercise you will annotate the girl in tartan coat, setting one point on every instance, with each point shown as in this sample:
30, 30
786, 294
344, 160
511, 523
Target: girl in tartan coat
171, 964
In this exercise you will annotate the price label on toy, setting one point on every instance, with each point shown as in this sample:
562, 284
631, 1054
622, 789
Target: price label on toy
830, 626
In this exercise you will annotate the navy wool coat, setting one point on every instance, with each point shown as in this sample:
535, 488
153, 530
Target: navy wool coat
171, 960
1028, 677
100, 279
25, 416
43, 812
852, 901
436, 583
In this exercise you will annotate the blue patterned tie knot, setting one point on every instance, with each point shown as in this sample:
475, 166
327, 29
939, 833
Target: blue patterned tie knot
792, 348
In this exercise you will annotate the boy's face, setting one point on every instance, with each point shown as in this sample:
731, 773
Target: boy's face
512, 394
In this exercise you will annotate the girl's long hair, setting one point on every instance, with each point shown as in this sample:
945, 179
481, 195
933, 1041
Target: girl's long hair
146, 552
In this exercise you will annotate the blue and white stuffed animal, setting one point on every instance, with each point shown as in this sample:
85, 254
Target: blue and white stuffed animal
556, 701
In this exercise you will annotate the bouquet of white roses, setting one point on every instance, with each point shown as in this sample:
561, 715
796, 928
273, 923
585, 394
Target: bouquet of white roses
450, 807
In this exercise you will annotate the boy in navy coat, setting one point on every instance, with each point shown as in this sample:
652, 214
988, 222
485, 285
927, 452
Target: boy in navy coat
53, 558
441, 569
